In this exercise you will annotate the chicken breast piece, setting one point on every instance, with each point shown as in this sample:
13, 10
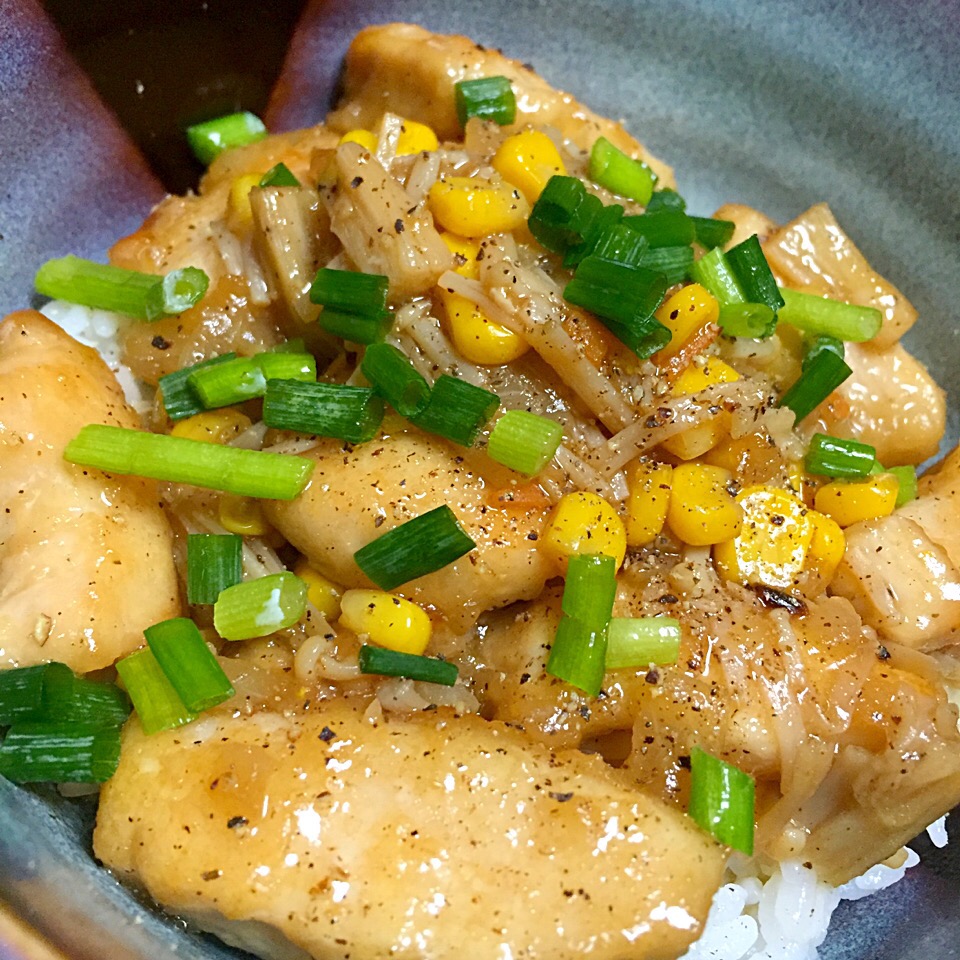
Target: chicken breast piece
409, 71
358, 495
428, 838
85, 558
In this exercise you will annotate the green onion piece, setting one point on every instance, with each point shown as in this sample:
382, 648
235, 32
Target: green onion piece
177, 292
845, 321
561, 214
180, 400
614, 291
594, 222
457, 410
395, 378
578, 655
489, 98
393, 663
722, 800
214, 562
907, 478
590, 589
836, 457
755, 321
640, 641
714, 273
613, 169
644, 337
821, 377
712, 233
346, 291
50, 692
249, 473
355, 328
619, 244
663, 228
209, 139
666, 199
814, 345
414, 549
524, 441
288, 365
158, 705
673, 262
60, 752
191, 668
279, 175
245, 378
353, 414
257, 608
751, 269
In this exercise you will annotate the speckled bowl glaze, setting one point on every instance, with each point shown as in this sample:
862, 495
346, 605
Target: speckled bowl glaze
775, 105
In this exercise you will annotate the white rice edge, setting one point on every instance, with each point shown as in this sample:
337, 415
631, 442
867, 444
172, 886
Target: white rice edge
783, 916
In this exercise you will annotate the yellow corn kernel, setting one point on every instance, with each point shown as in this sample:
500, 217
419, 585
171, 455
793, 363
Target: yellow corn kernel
529, 159
388, 620
698, 440
415, 138
473, 207
466, 252
702, 510
773, 543
476, 337
684, 313
212, 426
696, 378
242, 515
365, 138
324, 594
649, 485
239, 202
849, 502
826, 547
584, 522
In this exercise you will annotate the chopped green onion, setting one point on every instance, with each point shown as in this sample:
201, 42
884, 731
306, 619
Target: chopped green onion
756, 321
279, 175
619, 244
249, 473
751, 269
820, 344
524, 441
245, 378
666, 199
214, 562
346, 291
663, 228
50, 692
356, 328
614, 291
673, 262
158, 705
60, 752
578, 655
145, 296
191, 668
489, 98
714, 273
562, 213
590, 589
180, 400
395, 378
613, 169
722, 800
594, 221
814, 314
209, 139
836, 457
414, 549
257, 608
457, 410
640, 641
822, 375
712, 233
393, 663
353, 414
907, 478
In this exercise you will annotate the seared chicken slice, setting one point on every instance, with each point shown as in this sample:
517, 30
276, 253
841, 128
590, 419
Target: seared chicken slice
427, 838
408, 70
85, 558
